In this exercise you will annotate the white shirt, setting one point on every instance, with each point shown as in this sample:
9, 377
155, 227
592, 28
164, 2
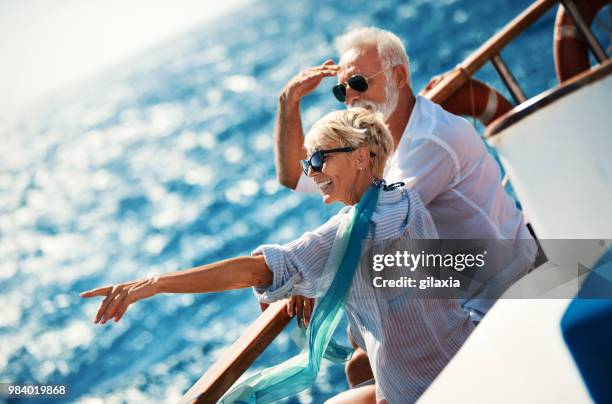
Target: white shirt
408, 340
442, 157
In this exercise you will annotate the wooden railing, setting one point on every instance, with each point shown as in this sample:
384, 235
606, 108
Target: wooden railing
491, 49
242, 353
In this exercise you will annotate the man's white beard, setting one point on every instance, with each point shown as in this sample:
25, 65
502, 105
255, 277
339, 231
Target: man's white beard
388, 106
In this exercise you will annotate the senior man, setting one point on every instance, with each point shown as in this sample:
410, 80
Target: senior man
438, 154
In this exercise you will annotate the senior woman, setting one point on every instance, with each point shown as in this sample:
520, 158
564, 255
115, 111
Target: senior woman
408, 341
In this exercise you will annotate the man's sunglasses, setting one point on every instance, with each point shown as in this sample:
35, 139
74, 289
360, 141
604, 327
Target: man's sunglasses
357, 82
318, 158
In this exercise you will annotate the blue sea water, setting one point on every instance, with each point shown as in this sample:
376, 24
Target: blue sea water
165, 162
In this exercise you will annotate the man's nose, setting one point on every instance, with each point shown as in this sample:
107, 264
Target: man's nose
351, 96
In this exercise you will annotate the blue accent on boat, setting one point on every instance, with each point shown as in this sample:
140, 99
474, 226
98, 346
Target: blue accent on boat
587, 330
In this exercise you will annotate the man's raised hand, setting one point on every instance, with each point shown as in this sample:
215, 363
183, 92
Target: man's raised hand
307, 80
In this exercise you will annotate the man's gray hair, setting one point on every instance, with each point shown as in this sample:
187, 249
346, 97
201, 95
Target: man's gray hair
390, 48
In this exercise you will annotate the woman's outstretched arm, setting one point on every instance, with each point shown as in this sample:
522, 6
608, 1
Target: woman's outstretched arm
235, 273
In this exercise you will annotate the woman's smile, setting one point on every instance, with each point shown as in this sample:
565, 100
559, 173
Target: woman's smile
324, 185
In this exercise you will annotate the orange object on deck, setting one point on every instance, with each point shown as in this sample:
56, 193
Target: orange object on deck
570, 49
474, 98
478, 100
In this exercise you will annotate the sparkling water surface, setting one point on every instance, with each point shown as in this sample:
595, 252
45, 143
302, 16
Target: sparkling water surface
165, 162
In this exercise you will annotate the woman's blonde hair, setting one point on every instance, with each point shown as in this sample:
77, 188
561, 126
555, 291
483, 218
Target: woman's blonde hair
353, 127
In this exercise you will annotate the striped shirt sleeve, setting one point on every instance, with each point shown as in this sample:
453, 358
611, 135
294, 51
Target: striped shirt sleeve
297, 266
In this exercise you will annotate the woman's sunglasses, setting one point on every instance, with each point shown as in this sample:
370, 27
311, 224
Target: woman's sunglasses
318, 158
357, 82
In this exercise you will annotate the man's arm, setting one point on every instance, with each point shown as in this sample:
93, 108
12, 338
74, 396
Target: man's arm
288, 142
288, 132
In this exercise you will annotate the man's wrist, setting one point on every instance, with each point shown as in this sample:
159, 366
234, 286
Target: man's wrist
287, 98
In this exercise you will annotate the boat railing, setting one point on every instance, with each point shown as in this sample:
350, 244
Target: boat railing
490, 51
242, 353
239, 356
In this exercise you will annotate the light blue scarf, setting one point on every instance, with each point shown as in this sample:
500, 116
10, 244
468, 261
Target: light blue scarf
299, 372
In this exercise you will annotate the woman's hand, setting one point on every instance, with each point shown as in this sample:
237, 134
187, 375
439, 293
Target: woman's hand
302, 306
117, 298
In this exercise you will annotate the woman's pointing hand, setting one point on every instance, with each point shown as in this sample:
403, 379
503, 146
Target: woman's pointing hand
117, 298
